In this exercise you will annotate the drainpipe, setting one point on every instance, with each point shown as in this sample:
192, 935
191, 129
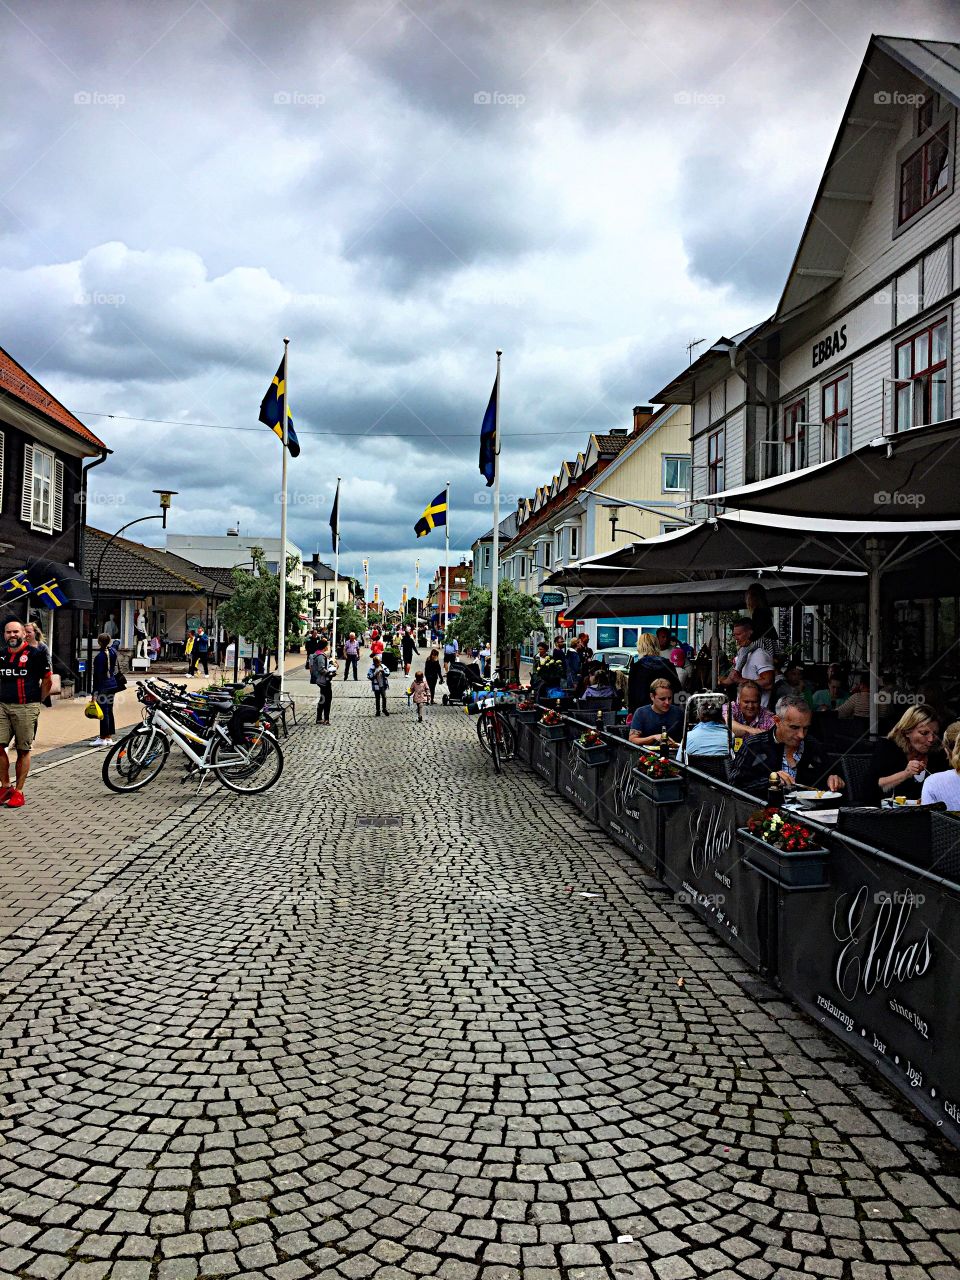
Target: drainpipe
84, 474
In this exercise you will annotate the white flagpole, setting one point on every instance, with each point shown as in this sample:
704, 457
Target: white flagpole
336, 578
446, 592
282, 558
496, 531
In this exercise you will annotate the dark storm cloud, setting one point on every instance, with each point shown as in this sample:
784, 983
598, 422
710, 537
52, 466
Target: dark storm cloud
401, 187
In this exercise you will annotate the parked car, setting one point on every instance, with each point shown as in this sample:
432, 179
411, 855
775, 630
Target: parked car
615, 659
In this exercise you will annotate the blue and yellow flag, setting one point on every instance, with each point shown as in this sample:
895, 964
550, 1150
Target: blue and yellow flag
51, 595
434, 516
18, 584
488, 437
270, 412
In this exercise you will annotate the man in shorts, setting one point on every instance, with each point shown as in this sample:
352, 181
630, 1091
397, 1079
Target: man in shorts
25, 681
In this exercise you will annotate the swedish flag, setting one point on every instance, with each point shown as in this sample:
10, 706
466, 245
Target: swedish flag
18, 584
270, 412
51, 595
434, 516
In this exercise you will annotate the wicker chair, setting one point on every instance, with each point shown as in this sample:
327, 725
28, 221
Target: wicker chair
860, 785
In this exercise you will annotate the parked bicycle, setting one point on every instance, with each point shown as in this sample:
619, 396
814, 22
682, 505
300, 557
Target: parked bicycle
494, 730
218, 736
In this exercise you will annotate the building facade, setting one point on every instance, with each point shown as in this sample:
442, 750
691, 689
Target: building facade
863, 342
45, 453
461, 578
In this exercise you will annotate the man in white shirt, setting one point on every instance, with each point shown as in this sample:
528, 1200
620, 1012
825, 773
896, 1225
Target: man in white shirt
752, 662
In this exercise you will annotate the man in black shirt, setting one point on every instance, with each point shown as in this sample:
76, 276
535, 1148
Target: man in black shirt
24, 682
786, 751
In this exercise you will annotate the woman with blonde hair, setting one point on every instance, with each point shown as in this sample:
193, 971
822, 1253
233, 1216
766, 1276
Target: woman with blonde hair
646, 666
945, 786
903, 759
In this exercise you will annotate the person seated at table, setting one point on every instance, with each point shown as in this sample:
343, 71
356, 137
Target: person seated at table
902, 761
830, 698
858, 704
751, 662
792, 682
648, 723
945, 786
647, 665
709, 737
787, 751
750, 717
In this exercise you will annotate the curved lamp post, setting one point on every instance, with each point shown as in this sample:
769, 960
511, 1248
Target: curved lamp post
166, 500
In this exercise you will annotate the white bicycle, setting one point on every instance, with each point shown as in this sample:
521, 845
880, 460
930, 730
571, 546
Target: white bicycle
248, 760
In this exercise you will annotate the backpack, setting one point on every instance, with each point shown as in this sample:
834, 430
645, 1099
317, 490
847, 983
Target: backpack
119, 679
320, 674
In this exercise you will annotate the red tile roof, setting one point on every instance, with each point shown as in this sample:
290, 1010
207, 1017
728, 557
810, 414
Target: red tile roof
17, 383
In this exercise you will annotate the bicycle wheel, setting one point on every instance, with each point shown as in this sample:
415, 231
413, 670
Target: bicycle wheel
135, 760
495, 749
251, 766
485, 731
507, 739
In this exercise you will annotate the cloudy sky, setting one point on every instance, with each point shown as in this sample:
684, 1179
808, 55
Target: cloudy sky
401, 187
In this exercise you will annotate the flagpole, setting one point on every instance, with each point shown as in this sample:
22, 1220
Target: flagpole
494, 617
446, 592
336, 577
282, 558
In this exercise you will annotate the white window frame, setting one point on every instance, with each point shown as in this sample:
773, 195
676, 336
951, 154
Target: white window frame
486, 557
675, 457
43, 488
574, 542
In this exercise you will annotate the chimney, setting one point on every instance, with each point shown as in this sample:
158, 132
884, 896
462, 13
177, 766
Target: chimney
642, 413
315, 558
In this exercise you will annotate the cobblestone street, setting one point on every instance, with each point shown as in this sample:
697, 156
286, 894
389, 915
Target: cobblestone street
248, 1036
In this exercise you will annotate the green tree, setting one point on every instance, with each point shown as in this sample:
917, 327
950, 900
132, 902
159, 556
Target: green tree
253, 611
349, 618
519, 616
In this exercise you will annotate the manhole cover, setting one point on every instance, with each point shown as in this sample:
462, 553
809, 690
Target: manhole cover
379, 820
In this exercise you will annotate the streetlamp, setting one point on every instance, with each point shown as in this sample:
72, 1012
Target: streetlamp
166, 501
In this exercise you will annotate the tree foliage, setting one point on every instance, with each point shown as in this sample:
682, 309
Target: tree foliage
349, 618
519, 616
253, 611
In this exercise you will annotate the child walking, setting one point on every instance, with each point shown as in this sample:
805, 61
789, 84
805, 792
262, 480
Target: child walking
379, 678
420, 693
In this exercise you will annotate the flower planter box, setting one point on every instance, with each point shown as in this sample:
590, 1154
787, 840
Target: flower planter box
391, 661
659, 790
552, 732
528, 717
808, 869
593, 757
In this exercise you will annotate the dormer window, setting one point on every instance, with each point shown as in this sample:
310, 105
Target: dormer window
924, 166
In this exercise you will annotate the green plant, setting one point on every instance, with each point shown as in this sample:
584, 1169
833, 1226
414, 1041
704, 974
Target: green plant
253, 609
770, 826
519, 617
655, 766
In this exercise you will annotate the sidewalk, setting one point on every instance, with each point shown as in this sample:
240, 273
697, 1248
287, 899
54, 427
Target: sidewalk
65, 725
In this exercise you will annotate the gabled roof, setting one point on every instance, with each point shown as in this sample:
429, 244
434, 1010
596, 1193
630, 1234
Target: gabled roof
130, 568
709, 366
16, 383
508, 527
848, 182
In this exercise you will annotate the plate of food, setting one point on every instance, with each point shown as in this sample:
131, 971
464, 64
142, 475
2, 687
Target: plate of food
817, 799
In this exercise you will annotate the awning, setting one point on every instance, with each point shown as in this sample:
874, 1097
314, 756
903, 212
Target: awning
899, 479
70, 586
714, 595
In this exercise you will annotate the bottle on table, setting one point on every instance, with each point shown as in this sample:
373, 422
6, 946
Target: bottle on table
664, 745
775, 795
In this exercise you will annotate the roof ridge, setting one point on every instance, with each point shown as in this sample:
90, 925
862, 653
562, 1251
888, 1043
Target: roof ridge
137, 549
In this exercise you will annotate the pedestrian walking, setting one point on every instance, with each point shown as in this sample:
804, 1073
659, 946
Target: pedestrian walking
351, 654
201, 648
105, 686
433, 673
376, 644
419, 691
408, 647
379, 678
322, 671
451, 648
189, 652
25, 682
310, 644
485, 659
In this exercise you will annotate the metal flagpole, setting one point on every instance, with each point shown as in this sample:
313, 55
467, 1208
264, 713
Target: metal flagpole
495, 587
446, 590
366, 594
282, 558
336, 578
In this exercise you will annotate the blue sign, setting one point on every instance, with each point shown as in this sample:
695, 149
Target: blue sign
81, 667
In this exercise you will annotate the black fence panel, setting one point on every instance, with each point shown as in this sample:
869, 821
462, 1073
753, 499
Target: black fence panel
875, 960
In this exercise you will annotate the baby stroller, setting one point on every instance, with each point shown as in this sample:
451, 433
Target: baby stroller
462, 679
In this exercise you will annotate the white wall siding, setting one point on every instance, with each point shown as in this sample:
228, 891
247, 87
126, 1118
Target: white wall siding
736, 431
866, 393
874, 252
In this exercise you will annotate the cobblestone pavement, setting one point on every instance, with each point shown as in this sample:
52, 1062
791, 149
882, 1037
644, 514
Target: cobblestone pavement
262, 1041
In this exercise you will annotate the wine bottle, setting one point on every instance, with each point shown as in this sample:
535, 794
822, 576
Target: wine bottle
664, 745
775, 791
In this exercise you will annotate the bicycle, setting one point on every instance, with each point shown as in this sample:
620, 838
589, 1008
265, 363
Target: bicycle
245, 757
494, 731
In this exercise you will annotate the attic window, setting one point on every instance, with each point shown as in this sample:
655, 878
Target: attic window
924, 168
